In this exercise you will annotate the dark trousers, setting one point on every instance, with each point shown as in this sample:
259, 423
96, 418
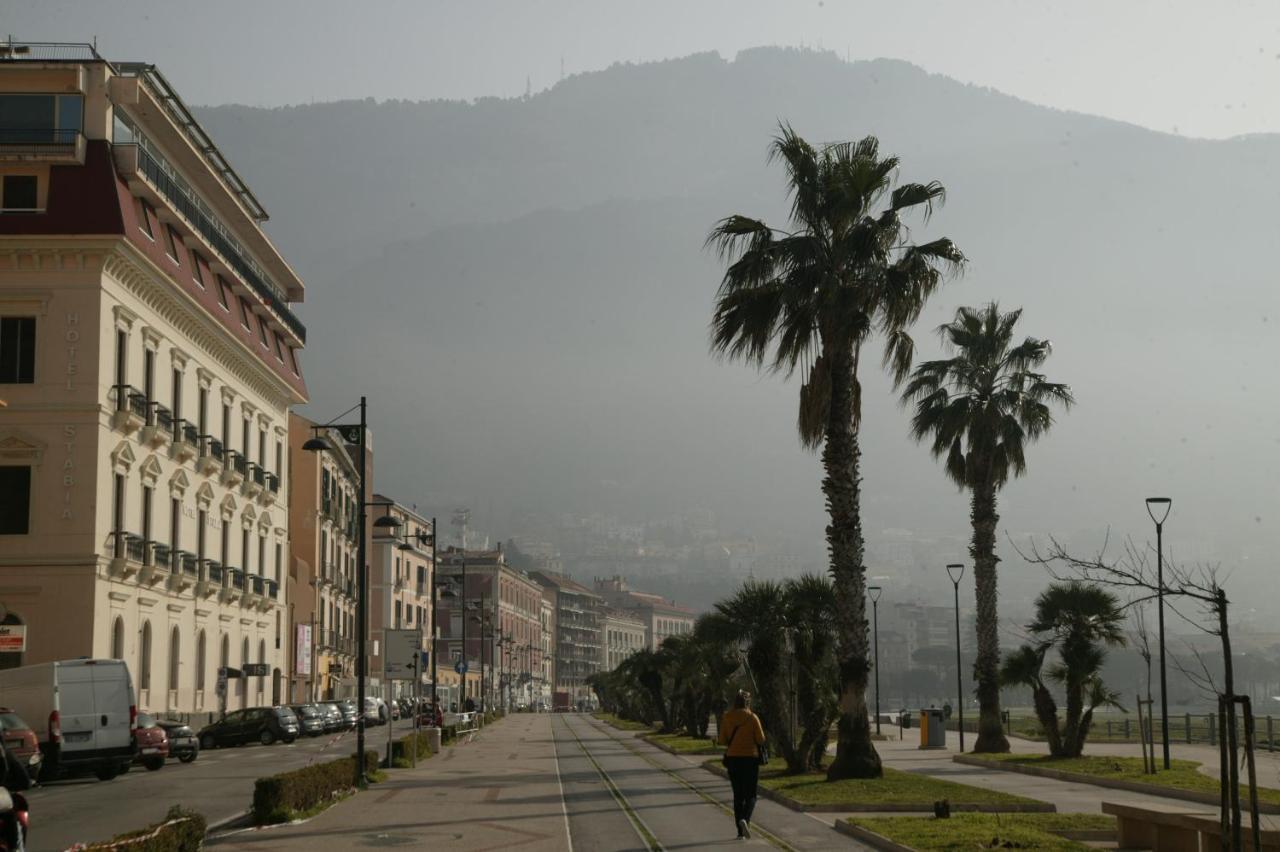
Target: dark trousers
744, 775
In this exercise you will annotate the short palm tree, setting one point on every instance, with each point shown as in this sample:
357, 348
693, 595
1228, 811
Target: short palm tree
1080, 621
979, 410
809, 297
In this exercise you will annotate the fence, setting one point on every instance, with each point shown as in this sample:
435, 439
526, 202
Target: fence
1187, 728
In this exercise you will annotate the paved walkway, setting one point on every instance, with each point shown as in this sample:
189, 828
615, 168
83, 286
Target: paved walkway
541, 783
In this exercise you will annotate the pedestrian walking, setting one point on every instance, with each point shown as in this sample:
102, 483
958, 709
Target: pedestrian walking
743, 738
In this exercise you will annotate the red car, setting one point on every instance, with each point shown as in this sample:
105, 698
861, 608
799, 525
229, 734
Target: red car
21, 741
150, 742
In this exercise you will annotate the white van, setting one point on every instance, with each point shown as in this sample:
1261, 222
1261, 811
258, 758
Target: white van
81, 710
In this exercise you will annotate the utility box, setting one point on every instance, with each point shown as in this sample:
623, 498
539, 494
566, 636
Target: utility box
933, 728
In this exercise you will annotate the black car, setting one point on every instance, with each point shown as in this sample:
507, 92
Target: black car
183, 743
350, 715
311, 719
256, 724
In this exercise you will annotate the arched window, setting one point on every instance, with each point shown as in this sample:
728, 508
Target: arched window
224, 656
144, 660
117, 639
244, 651
200, 661
11, 659
175, 646
262, 658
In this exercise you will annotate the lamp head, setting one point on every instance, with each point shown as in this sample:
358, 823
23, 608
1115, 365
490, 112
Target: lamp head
874, 593
1159, 505
315, 445
955, 571
386, 522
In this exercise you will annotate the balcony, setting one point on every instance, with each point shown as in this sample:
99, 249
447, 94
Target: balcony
135, 161
254, 480
160, 565
211, 578
232, 585
129, 554
234, 468
211, 455
131, 408
186, 571
252, 591
186, 441
43, 145
271, 491
158, 431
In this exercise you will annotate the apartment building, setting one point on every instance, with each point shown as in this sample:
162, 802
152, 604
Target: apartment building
579, 615
324, 527
624, 634
148, 359
661, 617
400, 577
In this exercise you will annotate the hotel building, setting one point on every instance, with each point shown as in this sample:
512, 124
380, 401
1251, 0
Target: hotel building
148, 359
400, 577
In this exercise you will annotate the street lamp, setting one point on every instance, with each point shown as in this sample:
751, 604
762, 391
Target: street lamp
956, 571
874, 593
357, 434
1161, 505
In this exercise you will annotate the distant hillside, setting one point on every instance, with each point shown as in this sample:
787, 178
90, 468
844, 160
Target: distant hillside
520, 287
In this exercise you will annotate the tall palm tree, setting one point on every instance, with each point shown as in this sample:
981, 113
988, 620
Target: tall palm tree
979, 410
809, 297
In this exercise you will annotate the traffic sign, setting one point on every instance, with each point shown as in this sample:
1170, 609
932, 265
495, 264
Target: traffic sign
256, 669
400, 653
460, 667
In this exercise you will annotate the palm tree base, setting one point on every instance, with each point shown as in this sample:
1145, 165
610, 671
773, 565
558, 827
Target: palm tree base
993, 742
855, 760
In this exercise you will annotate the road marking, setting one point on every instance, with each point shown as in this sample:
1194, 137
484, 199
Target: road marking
564, 808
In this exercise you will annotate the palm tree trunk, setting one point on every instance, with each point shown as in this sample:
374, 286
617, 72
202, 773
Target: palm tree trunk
983, 515
856, 757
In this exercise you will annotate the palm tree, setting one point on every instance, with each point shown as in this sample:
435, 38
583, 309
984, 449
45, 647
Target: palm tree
808, 297
979, 410
1080, 621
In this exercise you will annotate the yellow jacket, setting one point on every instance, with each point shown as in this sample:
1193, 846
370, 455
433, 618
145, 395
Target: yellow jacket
741, 732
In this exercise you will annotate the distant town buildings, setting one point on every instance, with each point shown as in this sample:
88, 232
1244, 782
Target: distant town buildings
661, 618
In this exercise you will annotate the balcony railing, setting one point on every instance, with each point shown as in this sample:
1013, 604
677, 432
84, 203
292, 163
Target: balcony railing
189, 562
162, 556
129, 546
258, 584
214, 446
184, 204
162, 417
186, 432
237, 462
213, 572
40, 142
273, 483
237, 578
272, 588
258, 474
129, 398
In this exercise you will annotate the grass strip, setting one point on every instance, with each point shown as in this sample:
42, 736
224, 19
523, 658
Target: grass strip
682, 744
621, 724
1183, 774
893, 788
986, 831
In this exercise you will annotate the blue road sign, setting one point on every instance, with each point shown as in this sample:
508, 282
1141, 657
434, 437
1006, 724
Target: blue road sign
460, 667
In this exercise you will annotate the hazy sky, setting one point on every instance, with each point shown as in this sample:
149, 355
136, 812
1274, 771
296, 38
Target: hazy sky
1189, 66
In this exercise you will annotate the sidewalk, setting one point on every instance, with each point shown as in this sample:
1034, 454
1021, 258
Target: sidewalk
499, 791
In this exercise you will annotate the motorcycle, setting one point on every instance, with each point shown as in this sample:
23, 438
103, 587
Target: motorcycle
15, 817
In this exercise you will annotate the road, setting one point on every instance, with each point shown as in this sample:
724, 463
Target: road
218, 784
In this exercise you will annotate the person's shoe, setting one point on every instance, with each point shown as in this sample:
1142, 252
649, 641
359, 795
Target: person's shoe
743, 833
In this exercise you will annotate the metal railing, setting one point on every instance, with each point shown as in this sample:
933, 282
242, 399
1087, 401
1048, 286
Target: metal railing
214, 447
273, 483
162, 555
237, 461
257, 584
129, 545
162, 417
186, 432
183, 203
237, 578
129, 398
189, 562
272, 588
258, 473
48, 51
213, 572
39, 142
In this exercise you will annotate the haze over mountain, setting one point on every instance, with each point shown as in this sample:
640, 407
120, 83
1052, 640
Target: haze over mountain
520, 287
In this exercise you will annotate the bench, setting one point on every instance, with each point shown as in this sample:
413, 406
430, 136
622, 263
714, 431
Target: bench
1177, 828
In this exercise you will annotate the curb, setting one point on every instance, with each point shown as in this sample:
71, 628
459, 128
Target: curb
875, 841
1110, 783
893, 808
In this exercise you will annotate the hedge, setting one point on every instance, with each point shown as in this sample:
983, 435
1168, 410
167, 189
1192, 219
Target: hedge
181, 831
280, 798
402, 750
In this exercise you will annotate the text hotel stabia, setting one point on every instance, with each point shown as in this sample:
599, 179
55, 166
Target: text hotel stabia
148, 358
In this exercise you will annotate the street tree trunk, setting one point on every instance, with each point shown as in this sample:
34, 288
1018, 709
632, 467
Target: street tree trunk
991, 738
856, 757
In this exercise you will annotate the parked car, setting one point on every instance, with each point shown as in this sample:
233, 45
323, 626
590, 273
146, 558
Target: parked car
182, 740
255, 724
333, 717
150, 743
21, 741
311, 719
83, 711
349, 713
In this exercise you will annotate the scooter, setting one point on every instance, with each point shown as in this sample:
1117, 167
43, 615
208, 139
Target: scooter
15, 817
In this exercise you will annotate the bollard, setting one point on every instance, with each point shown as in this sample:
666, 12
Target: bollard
1126, 728
1271, 737
1188, 729
1213, 731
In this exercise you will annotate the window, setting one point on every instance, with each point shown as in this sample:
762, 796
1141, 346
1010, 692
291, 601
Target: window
175, 526
175, 645
262, 555
279, 348
244, 551
202, 518
144, 218
15, 500
226, 426
196, 272
117, 512
293, 361
20, 194
149, 376
17, 350
224, 294
117, 639
244, 312
144, 665
262, 448
177, 395
171, 244
204, 411
262, 331
278, 561
244, 447
146, 512
200, 661
42, 118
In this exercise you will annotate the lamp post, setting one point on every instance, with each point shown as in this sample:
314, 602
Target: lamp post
874, 593
1161, 505
357, 434
956, 572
